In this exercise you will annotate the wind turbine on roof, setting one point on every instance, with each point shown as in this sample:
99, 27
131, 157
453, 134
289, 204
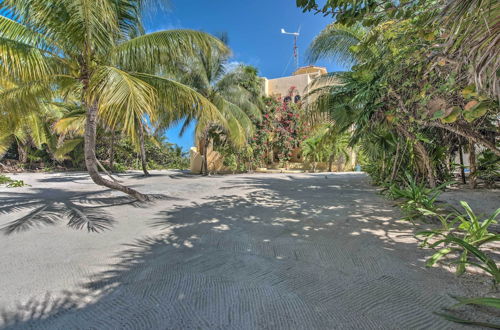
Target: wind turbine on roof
295, 47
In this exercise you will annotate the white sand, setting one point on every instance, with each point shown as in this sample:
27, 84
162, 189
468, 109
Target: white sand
268, 251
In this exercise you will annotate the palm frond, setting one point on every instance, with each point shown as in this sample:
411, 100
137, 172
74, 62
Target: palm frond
176, 100
159, 51
67, 146
122, 98
335, 42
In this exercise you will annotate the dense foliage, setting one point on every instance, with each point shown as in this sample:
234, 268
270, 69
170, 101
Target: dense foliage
412, 101
422, 91
276, 136
92, 61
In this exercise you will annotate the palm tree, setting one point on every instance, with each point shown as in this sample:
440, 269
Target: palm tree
87, 50
355, 104
29, 129
236, 95
327, 144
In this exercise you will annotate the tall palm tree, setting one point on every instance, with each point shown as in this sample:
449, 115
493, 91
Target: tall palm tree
86, 49
235, 96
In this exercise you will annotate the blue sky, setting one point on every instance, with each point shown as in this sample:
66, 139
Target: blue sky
254, 34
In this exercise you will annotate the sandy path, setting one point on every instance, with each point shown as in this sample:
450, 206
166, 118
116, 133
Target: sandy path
241, 252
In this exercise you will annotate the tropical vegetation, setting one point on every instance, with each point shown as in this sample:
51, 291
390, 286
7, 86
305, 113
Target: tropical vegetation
93, 59
422, 90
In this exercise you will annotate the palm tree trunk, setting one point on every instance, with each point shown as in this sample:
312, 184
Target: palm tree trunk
395, 164
22, 152
204, 152
383, 165
91, 160
462, 170
419, 147
205, 157
330, 162
143, 149
472, 165
112, 152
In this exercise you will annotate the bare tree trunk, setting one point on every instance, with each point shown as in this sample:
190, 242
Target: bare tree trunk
469, 134
426, 160
383, 165
270, 155
22, 152
472, 164
330, 162
205, 158
204, 152
462, 170
395, 164
143, 149
91, 160
112, 151
105, 171
427, 163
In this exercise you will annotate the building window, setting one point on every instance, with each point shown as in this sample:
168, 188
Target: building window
296, 99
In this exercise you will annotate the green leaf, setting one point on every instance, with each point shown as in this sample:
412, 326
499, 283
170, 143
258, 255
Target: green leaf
438, 115
469, 91
479, 254
464, 321
452, 117
483, 301
437, 256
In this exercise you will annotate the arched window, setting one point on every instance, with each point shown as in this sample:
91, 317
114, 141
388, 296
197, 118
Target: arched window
296, 99
287, 99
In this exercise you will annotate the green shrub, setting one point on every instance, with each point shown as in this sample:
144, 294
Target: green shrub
415, 195
488, 168
11, 183
119, 168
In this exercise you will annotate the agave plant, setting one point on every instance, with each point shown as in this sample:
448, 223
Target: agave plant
95, 52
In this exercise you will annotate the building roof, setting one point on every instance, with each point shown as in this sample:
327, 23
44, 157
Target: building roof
310, 69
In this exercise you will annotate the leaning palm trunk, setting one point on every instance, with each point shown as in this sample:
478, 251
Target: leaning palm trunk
143, 150
91, 159
88, 56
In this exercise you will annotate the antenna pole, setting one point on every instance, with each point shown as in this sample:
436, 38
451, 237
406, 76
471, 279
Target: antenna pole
295, 46
296, 51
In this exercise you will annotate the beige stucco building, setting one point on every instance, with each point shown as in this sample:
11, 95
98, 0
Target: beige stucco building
279, 87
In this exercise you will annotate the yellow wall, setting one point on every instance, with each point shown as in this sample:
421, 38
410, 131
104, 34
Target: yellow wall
301, 78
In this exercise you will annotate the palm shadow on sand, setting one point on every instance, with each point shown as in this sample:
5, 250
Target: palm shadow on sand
49, 206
